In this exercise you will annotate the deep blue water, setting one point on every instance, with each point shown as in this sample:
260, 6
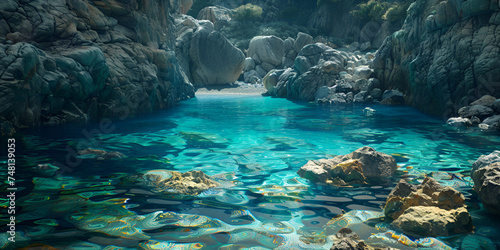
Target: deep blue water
257, 144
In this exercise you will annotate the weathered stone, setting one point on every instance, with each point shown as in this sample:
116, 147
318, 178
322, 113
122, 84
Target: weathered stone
486, 100
215, 14
459, 122
392, 97
350, 169
99, 154
314, 172
421, 221
491, 123
487, 185
443, 55
475, 110
164, 181
485, 160
428, 209
363, 72
269, 49
302, 40
214, 59
249, 64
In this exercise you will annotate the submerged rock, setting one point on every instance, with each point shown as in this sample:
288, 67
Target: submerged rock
347, 239
99, 154
428, 209
164, 181
353, 168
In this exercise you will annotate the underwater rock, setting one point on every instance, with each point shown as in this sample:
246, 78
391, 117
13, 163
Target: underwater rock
347, 239
477, 242
99, 154
434, 221
164, 181
214, 59
428, 209
487, 186
349, 169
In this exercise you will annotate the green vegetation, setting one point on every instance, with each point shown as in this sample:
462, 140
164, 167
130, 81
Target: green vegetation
376, 10
247, 12
397, 12
371, 10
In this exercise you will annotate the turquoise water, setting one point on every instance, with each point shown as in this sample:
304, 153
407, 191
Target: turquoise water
256, 145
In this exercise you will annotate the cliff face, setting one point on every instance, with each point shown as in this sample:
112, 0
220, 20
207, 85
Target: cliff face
72, 60
446, 56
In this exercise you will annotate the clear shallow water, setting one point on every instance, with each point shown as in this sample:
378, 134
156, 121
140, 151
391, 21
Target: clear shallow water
256, 143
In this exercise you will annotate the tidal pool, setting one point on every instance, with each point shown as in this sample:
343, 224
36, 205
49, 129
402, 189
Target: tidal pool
256, 145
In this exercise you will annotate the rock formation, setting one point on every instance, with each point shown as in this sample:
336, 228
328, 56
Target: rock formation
428, 209
70, 61
486, 176
349, 169
445, 56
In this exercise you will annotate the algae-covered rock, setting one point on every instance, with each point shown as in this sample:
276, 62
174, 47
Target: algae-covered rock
353, 168
164, 181
434, 221
428, 209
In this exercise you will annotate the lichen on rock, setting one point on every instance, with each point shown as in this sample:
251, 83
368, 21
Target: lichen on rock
428, 209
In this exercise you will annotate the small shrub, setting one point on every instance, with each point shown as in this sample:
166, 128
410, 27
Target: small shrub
247, 12
372, 10
397, 12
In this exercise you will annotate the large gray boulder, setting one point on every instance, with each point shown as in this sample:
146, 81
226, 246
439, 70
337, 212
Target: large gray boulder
487, 185
269, 49
485, 160
214, 59
475, 110
302, 40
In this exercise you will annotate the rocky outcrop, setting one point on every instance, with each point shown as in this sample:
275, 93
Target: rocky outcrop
214, 60
353, 168
173, 182
428, 209
206, 56
485, 173
487, 185
445, 56
76, 60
